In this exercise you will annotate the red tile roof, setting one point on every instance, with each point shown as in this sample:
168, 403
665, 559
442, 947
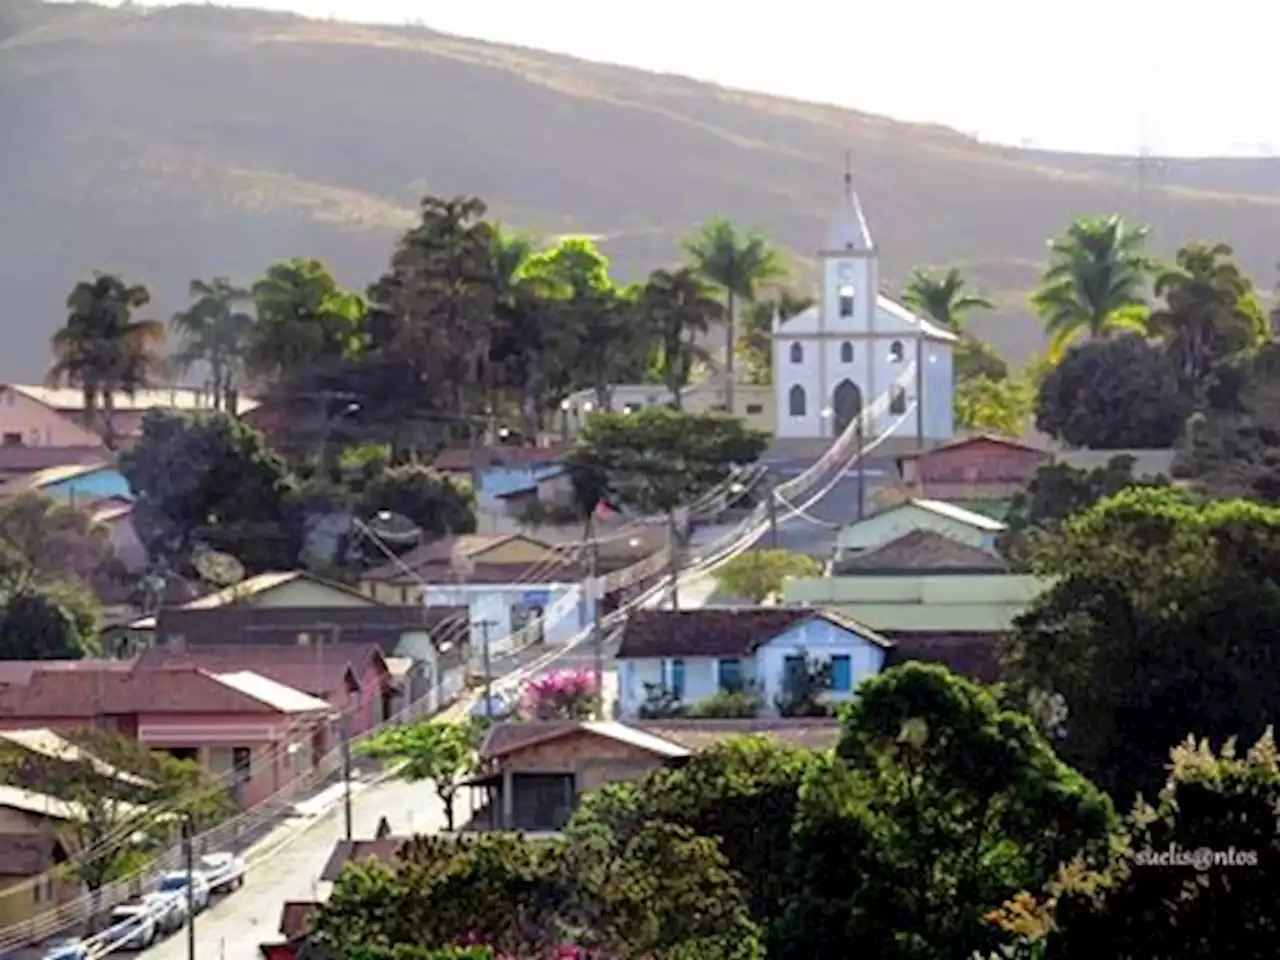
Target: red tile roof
1011, 442
384, 850
298, 918
718, 631
921, 550
972, 654
319, 670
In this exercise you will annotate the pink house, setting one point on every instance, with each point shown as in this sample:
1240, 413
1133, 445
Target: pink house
261, 735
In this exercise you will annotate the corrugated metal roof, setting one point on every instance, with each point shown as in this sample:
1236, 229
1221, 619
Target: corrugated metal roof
245, 588
44, 805
960, 514
174, 398
276, 695
47, 743
636, 738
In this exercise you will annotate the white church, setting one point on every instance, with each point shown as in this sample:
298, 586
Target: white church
857, 354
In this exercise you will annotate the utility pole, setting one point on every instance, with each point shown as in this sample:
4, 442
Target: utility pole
862, 471
189, 855
597, 636
485, 626
772, 506
346, 774
673, 560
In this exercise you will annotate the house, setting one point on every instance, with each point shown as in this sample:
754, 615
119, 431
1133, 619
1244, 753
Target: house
382, 849
534, 773
500, 470
980, 473
423, 649
691, 655
235, 723
833, 361
507, 582
35, 416
964, 526
917, 551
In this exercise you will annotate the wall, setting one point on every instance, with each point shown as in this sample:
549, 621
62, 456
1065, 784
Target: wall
306, 593
40, 426
946, 603
492, 603
978, 462
878, 530
20, 902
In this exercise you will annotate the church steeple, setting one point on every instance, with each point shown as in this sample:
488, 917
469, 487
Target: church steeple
848, 231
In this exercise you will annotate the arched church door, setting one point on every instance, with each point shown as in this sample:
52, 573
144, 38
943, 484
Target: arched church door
846, 405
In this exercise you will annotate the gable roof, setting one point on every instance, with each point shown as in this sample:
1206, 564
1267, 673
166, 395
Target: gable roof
504, 744
318, 670
950, 511
920, 550
961, 442
690, 734
266, 582
720, 631
280, 698
929, 331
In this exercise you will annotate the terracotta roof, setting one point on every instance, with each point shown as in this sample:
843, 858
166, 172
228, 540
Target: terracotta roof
505, 743
971, 654
961, 442
921, 550
21, 671
357, 851
298, 918
718, 631
84, 694
464, 458
319, 670
679, 736
26, 855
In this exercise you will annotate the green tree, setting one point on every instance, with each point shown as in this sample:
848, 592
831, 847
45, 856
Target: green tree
437, 503
658, 460
759, 574
1210, 312
305, 321
1113, 394
994, 406
43, 540
738, 262
103, 349
214, 330
943, 297
208, 480
679, 307
48, 622
1158, 623
443, 753
755, 341
975, 359
1096, 281
939, 806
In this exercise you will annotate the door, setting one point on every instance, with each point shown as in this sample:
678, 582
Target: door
542, 801
846, 405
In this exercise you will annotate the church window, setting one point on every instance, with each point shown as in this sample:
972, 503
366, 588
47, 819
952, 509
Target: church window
797, 353
796, 401
846, 352
846, 301
898, 401
896, 352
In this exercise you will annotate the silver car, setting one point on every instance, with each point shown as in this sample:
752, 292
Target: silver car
130, 927
225, 871
176, 882
169, 909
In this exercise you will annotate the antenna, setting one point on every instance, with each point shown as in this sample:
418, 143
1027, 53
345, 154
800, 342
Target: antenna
219, 569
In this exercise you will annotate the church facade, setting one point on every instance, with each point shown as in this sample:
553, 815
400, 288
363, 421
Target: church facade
857, 355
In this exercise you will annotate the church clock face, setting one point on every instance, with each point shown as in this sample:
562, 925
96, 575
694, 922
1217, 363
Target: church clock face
845, 271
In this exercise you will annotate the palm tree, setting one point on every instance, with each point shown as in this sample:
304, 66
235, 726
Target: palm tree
215, 331
738, 262
943, 297
103, 350
1210, 310
679, 306
1096, 281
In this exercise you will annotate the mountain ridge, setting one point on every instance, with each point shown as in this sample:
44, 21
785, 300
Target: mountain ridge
192, 141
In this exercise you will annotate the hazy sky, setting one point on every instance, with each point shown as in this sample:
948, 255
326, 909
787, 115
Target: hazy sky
1105, 75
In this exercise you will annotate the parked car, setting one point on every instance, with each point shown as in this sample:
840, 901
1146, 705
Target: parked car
176, 882
225, 871
169, 909
131, 926
500, 704
67, 950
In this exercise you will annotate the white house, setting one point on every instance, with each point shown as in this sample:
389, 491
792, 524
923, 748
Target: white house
836, 358
691, 655
937, 516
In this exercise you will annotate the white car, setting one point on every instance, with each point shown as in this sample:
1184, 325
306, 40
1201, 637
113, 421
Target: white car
67, 950
169, 909
130, 927
500, 705
176, 882
225, 871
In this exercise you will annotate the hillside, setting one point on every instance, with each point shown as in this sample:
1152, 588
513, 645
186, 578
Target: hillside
197, 141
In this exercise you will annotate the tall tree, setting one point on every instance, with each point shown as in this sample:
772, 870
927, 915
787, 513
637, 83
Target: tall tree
738, 261
49, 621
755, 343
216, 331
943, 296
42, 539
1096, 281
103, 349
1211, 311
305, 320
679, 307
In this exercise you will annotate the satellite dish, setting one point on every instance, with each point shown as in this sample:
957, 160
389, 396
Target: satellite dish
220, 569
394, 529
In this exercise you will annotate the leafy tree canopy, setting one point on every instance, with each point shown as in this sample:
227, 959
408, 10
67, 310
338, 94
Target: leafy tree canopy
444, 753
759, 574
48, 622
437, 503
988, 405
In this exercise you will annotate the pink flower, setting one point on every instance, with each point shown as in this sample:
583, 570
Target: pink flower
561, 695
